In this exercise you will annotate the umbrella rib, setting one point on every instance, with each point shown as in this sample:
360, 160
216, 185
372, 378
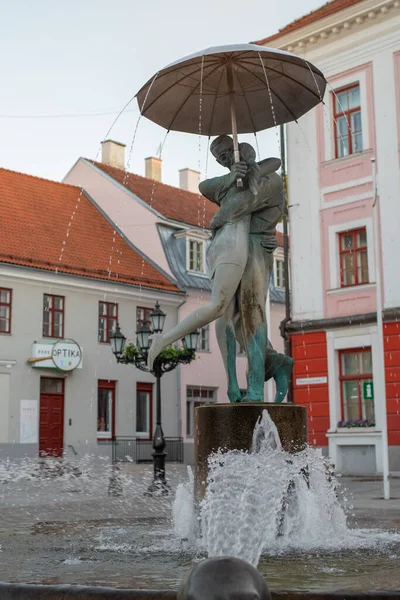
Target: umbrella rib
247, 102
215, 100
191, 93
169, 87
287, 76
272, 92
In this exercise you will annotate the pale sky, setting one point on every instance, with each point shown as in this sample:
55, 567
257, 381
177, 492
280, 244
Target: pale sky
84, 57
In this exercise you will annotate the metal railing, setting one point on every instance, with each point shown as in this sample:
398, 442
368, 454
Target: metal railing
138, 450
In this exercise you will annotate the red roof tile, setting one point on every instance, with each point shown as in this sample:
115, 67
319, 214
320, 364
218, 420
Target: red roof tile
324, 11
171, 202
42, 220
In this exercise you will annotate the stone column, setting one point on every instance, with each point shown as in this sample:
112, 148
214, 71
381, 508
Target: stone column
231, 426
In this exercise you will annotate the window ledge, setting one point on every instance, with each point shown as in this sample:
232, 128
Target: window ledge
203, 351
346, 431
197, 273
351, 288
344, 159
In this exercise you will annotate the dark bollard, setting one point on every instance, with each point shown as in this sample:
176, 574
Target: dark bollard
223, 578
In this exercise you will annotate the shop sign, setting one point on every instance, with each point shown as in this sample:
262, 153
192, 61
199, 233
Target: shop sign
65, 355
311, 380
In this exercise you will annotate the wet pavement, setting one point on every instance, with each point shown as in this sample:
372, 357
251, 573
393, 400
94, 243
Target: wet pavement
68, 529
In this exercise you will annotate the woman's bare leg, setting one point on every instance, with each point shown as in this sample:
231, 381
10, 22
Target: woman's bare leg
225, 283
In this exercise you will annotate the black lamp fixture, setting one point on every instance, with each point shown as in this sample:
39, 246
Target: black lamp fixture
191, 340
117, 340
161, 365
143, 333
157, 317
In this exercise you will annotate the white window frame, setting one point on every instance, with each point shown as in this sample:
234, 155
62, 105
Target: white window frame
207, 329
144, 434
360, 78
203, 250
279, 258
334, 255
346, 339
107, 435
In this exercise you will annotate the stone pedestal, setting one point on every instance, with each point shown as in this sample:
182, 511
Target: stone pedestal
231, 426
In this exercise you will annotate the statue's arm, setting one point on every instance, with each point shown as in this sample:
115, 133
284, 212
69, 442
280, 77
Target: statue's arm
244, 203
214, 189
238, 206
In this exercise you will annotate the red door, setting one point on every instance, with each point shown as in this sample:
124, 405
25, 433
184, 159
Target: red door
51, 423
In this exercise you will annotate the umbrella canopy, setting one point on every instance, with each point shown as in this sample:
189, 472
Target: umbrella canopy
262, 87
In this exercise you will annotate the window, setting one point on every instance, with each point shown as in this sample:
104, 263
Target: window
142, 315
347, 115
5, 310
144, 403
53, 316
355, 370
279, 274
196, 396
203, 344
106, 410
196, 256
353, 257
108, 318
51, 385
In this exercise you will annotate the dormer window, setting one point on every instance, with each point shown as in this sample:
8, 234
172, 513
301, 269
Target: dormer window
196, 256
196, 244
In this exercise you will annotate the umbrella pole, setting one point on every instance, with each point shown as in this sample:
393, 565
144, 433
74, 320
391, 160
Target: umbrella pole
236, 154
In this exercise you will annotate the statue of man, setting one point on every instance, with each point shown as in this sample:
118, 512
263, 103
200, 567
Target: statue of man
245, 320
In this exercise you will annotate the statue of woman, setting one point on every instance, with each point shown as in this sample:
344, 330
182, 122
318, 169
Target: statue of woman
229, 249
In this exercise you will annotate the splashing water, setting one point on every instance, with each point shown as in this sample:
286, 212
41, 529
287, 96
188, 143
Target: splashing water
266, 499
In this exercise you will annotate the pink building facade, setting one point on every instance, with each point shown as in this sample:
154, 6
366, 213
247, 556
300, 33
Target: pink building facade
163, 222
352, 394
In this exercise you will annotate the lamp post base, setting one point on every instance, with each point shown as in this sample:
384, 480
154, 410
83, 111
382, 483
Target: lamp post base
159, 487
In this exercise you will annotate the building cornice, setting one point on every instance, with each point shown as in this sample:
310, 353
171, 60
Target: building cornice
339, 24
389, 314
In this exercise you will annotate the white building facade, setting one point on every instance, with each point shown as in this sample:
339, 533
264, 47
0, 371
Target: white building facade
350, 387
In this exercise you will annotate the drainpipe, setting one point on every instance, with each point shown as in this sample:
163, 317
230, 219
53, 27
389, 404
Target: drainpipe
381, 395
179, 376
283, 326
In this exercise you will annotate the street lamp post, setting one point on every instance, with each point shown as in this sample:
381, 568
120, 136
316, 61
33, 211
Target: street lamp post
167, 361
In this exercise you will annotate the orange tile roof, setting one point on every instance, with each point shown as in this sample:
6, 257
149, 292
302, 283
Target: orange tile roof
171, 202
324, 11
42, 220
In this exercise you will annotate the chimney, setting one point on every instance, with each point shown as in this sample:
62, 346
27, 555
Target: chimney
153, 168
189, 180
113, 154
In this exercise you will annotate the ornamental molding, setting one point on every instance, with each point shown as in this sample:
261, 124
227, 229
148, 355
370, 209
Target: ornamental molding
327, 29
